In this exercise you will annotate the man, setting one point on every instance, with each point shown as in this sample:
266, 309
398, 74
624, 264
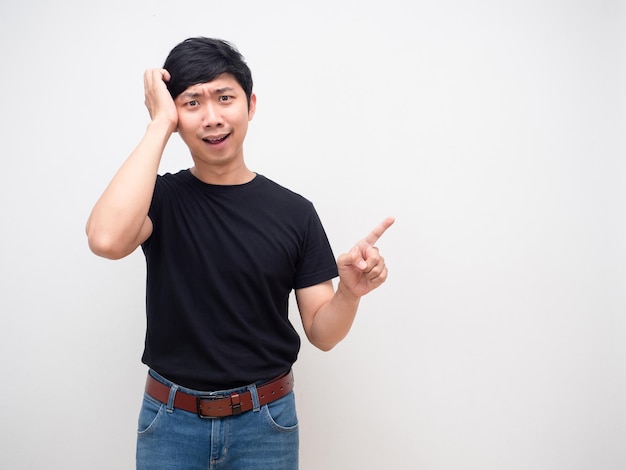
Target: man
224, 248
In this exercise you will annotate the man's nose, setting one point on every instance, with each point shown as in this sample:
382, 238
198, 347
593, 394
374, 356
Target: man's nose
212, 116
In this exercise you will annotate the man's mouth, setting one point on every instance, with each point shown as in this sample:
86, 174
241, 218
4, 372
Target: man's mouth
215, 140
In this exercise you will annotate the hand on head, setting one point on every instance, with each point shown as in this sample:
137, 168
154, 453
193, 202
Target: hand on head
157, 97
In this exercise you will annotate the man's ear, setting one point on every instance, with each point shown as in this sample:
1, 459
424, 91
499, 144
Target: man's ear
251, 106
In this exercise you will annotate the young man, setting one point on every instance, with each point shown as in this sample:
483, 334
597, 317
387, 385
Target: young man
224, 248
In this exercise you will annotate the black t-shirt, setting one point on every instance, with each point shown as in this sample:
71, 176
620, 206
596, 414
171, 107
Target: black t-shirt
221, 263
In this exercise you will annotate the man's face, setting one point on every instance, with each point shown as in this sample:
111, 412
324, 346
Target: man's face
213, 121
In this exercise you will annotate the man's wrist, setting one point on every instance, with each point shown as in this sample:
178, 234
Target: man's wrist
162, 124
346, 293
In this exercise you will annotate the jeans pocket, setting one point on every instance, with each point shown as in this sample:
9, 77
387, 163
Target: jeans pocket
281, 414
149, 414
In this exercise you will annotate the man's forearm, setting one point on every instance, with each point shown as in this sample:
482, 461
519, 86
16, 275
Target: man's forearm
116, 221
334, 319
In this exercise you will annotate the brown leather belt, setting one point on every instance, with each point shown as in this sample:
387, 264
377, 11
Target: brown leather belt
220, 406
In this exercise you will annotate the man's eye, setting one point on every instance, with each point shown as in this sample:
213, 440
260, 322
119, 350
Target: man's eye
193, 103
224, 98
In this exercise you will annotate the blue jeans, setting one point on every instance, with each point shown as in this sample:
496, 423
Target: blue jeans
174, 439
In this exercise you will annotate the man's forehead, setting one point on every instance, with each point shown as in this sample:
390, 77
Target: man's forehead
224, 82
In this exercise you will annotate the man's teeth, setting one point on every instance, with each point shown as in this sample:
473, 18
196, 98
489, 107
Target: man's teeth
215, 141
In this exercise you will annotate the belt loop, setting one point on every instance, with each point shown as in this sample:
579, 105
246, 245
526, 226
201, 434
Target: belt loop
256, 406
170, 399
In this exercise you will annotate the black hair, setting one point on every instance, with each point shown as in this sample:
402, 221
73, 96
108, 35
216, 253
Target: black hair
201, 60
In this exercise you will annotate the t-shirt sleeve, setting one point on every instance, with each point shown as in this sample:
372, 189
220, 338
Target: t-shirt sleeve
155, 208
318, 262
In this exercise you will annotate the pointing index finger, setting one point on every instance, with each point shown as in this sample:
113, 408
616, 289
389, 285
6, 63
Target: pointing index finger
378, 231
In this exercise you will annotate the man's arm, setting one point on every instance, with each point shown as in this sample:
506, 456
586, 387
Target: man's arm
327, 315
119, 221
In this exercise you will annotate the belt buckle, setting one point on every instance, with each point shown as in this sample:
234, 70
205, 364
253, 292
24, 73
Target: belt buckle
235, 404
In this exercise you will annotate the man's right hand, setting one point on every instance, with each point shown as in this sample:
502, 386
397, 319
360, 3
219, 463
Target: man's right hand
119, 221
158, 100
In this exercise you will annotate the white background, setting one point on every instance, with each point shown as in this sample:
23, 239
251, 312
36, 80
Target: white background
492, 130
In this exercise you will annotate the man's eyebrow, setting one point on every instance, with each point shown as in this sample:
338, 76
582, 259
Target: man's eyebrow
216, 91
219, 91
190, 94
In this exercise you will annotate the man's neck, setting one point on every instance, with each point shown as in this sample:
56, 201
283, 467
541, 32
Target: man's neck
223, 177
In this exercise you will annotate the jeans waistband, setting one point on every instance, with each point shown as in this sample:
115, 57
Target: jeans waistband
218, 404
